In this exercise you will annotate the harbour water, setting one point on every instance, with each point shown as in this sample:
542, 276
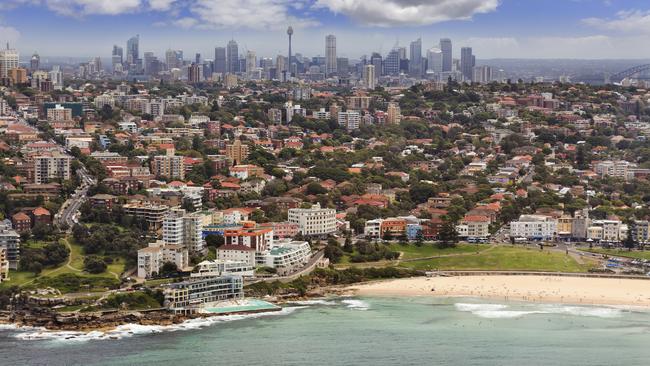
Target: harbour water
359, 331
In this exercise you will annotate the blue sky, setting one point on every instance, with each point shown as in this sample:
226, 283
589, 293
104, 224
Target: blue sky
495, 28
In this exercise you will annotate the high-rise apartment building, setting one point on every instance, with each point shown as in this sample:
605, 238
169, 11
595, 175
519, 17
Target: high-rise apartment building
314, 220
446, 48
237, 152
415, 61
133, 49
391, 64
232, 57
251, 63
369, 78
51, 167
35, 62
195, 73
172, 167
330, 55
186, 229
393, 114
8, 60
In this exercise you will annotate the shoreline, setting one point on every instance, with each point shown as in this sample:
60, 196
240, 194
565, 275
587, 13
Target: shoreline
531, 288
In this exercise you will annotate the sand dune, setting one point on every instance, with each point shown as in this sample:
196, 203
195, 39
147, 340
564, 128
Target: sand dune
547, 289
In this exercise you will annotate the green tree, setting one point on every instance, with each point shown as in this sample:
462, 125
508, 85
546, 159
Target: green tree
448, 235
94, 264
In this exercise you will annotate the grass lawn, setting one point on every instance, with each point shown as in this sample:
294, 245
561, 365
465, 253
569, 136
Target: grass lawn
636, 254
17, 278
412, 251
504, 258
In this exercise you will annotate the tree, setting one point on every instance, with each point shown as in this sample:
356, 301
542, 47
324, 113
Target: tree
213, 240
448, 235
419, 238
36, 268
315, 188
94, 264
347, 246
629, 242
333, 252
169, 269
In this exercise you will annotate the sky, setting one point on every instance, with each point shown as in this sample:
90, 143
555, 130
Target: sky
577, 29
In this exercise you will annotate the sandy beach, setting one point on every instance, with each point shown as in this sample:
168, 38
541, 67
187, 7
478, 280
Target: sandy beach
544, 289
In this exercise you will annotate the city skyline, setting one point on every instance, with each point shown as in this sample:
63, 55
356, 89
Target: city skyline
494, 29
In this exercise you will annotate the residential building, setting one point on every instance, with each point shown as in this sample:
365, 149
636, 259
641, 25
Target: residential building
10, 242
393, 114
4, 265
237, 152
51, 167
59, 113
250, 236
314, 220
152, 214
477, 226
171, 167
152, 258
237, 253
330, 55
286, 256
220, 267
350, 120
534, 227
190, 296
8, 60
369, 78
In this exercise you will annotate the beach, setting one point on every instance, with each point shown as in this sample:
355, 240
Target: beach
543, 289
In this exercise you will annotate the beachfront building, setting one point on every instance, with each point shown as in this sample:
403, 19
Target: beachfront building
314, 221
10, 242
184, 229
372, 229
237, 253
152, 258
259, 239
221, 267
153, 214
609, 231
286, 256
190, 296
4, 265
534, 227
478, 227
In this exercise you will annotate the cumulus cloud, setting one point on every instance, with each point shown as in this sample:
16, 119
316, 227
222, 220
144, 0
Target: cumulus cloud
90, 7
408, 12
161, 5
625, 21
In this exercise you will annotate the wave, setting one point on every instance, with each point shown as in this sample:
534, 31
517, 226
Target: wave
356, 304
314, 302
130, 330
501, 311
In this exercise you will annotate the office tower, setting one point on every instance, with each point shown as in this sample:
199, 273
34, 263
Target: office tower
391, 64
369, 76
251, 63
415, 61
220, 60
35, 62
232, 57
375, 60
290, 34
197, 58
8, 60
330, 55
435, 59
467, 62
445, 47
281, 65
133, 49
148, 62
56, 76
118, 54
343, 66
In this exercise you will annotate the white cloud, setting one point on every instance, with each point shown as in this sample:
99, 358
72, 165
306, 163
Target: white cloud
161, 5
185, 22
8, 34
408, 12
255, 14
625, 21
90, 7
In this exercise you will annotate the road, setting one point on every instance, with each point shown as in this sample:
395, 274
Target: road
68, 214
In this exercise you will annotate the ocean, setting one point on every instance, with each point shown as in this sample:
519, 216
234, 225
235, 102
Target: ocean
359, 331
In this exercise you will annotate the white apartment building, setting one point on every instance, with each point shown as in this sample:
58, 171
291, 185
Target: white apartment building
59, 113
372, 229
314, 220
534, 227
184, 229
52, 166
173, 227
220, 267
321, 114
152, 258
613, 168
350, 120
102, 100
286, 256
612, 231
8, 60
237, 253
4, 265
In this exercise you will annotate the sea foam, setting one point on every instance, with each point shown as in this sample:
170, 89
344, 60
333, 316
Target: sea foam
497, 311
356, 304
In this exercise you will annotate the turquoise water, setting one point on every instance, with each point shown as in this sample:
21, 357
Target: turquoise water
365, 331
251, 305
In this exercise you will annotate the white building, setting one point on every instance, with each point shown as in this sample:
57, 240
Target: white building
52, 166
372, 228
534, 227
613, 168
286, 256
222, 267
8, 60
10, 242
314, 220
237, 253
184, 229
350, 120
152, 258
611, 231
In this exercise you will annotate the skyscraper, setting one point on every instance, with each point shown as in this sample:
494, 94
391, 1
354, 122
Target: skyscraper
391, 64
369, 76
232, 57
251, 63
435, 59
8, 60
133, 49
118, 53
197, 58
375, 60
220, 60
290, 34
171, 59
467, 62
330, 55
415, 62
35, 62
445, 47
